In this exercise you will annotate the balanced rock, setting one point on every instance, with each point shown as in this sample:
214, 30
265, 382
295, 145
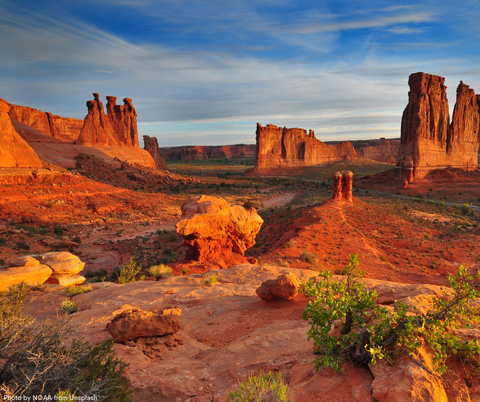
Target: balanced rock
284, 287
151, 146
31, 275
65, 267
216, 232
14, 150
134, 323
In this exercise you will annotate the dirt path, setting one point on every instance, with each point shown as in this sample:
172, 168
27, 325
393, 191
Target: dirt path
279, 201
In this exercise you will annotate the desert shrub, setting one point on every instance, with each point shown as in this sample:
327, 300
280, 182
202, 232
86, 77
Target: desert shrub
185, 270
288, 244
264, 387
160, 271
58, 231
3, 241
102, 273
210, 280
2, 261
383, 258
369, 333
68, 307
77, 239
465, 209
34, 360
309, 257
77, 290
129, 272
22, 245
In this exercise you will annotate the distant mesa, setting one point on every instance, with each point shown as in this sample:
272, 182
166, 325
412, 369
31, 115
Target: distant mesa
151, 146
189, 153
428, 139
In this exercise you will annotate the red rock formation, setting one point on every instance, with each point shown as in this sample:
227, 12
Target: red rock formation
288, 147
342, 186
97, 128
14, 151
382, 152
463, 140
407, 170
63, 128
151, 146
123, 119
208, 152
337, 186
426, 135
216, 233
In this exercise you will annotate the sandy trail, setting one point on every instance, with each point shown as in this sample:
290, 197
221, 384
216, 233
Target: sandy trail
279, 201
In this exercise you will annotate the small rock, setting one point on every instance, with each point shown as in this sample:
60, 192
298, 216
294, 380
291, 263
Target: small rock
284, 287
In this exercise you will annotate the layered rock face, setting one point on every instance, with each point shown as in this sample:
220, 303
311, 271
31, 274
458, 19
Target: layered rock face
290, 147
63, 128
426, 135
14, 150
208, 152
383, 152
151, 146
217, 233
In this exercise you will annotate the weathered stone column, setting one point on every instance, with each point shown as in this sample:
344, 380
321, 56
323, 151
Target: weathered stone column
337, 186
347, 185
407, 169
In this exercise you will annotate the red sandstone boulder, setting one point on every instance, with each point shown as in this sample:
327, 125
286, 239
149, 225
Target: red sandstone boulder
135, 323
65, 267
14, 151
151, 146
217, 233
31, 275
284, 287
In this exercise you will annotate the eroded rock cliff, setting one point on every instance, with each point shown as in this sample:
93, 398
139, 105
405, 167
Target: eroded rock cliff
201, 152
151, 146
279, 147
426, 135
66, 129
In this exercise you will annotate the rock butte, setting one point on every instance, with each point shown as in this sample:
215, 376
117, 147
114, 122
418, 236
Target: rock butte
151, 146
428, 138
279, 147
208, 152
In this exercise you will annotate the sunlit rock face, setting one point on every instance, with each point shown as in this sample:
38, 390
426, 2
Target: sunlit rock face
216, 232
279, 147
427, 136
14, 150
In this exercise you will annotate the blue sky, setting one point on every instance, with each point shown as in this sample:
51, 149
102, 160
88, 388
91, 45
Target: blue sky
205, 72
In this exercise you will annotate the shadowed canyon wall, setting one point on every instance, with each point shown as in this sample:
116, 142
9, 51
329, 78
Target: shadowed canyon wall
279, 147
428, 138
151, 146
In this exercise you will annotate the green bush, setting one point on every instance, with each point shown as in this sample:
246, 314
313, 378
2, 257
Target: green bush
77, 239
68, 307
263, 388
77, 290
35, 361
465, 209
160, 271
129, 272
58, 231
210, 280
369, 333
3, 241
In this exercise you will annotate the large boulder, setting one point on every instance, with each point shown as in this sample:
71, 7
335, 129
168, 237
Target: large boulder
132, 324
31, 275
65, 267
216, 232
